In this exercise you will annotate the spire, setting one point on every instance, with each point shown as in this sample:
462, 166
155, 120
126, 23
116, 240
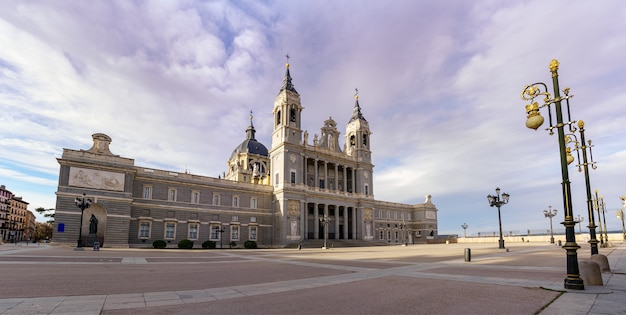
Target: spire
356, 114
287, 85
250, 131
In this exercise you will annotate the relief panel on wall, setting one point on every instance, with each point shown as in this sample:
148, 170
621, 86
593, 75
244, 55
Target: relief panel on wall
88, 178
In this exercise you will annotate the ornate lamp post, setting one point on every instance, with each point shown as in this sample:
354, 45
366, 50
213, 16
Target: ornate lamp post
325, 220
620, 216
550, 213
534, 121
402, 225
494, 201
221, 231
606, 235
83, 203
583, 146
465, 226
578, 220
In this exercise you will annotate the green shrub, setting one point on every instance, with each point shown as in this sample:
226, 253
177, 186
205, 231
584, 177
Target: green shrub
209, 244
159, 244
232, 244
185, 244
250, 244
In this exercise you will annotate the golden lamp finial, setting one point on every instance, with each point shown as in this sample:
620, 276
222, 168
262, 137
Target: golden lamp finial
554, 65
581, 124
356, 93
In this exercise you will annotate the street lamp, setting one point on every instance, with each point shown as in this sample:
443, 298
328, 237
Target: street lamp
550, 213
325, 220
83, 203
464, 226
494, 201
221, 231
578, 220
534, 121
601, 208
583, 146
402, 225
620, 216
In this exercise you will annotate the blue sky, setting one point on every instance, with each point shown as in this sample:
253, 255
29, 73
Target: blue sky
172, 83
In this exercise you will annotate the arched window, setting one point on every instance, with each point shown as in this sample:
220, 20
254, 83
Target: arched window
278, 117
292, 114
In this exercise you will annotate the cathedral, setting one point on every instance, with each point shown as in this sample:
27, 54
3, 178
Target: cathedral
297, 191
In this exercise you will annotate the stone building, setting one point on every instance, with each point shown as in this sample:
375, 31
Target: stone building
296, 191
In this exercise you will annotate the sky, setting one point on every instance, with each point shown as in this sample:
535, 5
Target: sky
173, 83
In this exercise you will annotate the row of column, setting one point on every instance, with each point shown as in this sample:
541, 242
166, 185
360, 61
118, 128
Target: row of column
352, 171
349, 221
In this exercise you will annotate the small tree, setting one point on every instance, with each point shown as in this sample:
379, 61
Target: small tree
232, 244
209, 244
250, 244
185, 244
159, 244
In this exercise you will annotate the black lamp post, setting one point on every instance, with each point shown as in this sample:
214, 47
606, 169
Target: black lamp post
578, 220
465, 226
221, 231
402, 225
583, 146
495, 201
550, 213
620, 215
534, 121
325, 220
83, 203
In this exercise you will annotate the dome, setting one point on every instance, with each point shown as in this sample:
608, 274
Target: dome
250, 145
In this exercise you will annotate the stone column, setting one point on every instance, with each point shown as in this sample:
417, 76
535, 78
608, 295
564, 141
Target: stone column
316, 222
336, 222
336, 178
354, 225
316, 181
345, 222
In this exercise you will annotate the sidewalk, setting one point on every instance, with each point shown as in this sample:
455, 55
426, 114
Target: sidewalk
356, 275
596, 300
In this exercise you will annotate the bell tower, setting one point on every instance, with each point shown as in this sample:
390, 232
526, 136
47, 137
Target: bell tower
358, 147
287, 114
358, 135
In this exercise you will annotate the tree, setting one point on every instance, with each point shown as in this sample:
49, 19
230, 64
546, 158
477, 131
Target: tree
47, 213
44, 230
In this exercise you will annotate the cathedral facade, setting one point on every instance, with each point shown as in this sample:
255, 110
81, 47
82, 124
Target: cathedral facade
296, 191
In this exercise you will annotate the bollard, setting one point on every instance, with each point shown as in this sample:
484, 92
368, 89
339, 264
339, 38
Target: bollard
468, 255
299, 246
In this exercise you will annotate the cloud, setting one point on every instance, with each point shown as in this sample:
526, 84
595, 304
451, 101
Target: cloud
173, 84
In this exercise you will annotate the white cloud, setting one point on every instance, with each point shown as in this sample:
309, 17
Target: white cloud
173, 82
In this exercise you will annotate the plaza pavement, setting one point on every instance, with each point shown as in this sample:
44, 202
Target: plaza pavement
416, 279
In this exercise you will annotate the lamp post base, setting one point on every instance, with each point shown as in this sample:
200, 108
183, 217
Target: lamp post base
551, 240
500, 243
574, 283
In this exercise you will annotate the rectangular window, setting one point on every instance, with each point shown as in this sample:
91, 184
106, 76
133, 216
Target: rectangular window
388, 235
367, 190
235, 218
253, 233
396, 235
252, 219
170, 230
253, 203
381, 235
293, 177
171, 194
144, 229
216, 199
277, 177
234, 232
195, 196
147, 192
321, 183
215, 232
193, 231
235, 201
